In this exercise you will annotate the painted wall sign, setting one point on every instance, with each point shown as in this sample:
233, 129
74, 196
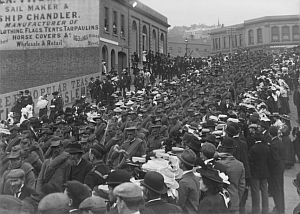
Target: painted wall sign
36, 24
70, 90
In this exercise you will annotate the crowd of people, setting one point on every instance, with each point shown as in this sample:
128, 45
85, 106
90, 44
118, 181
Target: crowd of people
195, 142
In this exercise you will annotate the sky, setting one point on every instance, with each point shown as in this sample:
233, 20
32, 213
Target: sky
229, 12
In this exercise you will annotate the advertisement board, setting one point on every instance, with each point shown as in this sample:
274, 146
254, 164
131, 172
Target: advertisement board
36, 24
70, 90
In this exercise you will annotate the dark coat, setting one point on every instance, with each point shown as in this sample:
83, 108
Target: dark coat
236, 173
212, 204
97, 175
161, 207
276, 158
80, 171
189, 193
241, 154
54, 172
26, 192
258, 159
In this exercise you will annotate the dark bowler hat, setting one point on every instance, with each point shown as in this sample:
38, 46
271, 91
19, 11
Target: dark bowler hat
118, 177
211, 174
188, 157
155, 182
74, 148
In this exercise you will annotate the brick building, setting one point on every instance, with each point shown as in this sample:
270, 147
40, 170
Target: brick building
61, 46
269, 32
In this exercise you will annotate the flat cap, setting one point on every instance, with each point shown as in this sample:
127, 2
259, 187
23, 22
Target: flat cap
94, 204
128, 191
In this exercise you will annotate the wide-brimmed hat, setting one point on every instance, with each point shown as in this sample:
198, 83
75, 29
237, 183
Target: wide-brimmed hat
211, 174
155, 182
118, 177
188, 157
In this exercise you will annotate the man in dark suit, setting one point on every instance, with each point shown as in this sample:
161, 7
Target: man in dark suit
258, 159
189, 185
154, 188
80, 167
276, 166
16, 179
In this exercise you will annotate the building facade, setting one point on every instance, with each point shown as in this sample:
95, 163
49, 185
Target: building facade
59, 45
125, 30
265, 33
192, 48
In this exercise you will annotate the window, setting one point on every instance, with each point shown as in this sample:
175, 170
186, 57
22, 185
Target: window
259, 35
213, 44
296, 33
219, 42
275, 34
224, 42
106, 19
115, 22
250, 37
285, 31
122, 25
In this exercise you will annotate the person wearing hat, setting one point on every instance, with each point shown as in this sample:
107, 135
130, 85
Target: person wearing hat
129, 198
77, 192
57, 106
276, 166
235, 170
26, 99
15, 161
58, 203
93, 205
189, 185
114, 179
16, 178
12, 205
55, 169
79, 166
155, 140
258, 159
132, 146
215, 200
154, 188
97, 176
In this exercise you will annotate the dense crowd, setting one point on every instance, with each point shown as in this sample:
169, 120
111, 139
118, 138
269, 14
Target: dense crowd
195, 142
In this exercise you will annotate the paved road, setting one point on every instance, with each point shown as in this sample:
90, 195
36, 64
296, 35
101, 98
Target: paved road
291, 196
